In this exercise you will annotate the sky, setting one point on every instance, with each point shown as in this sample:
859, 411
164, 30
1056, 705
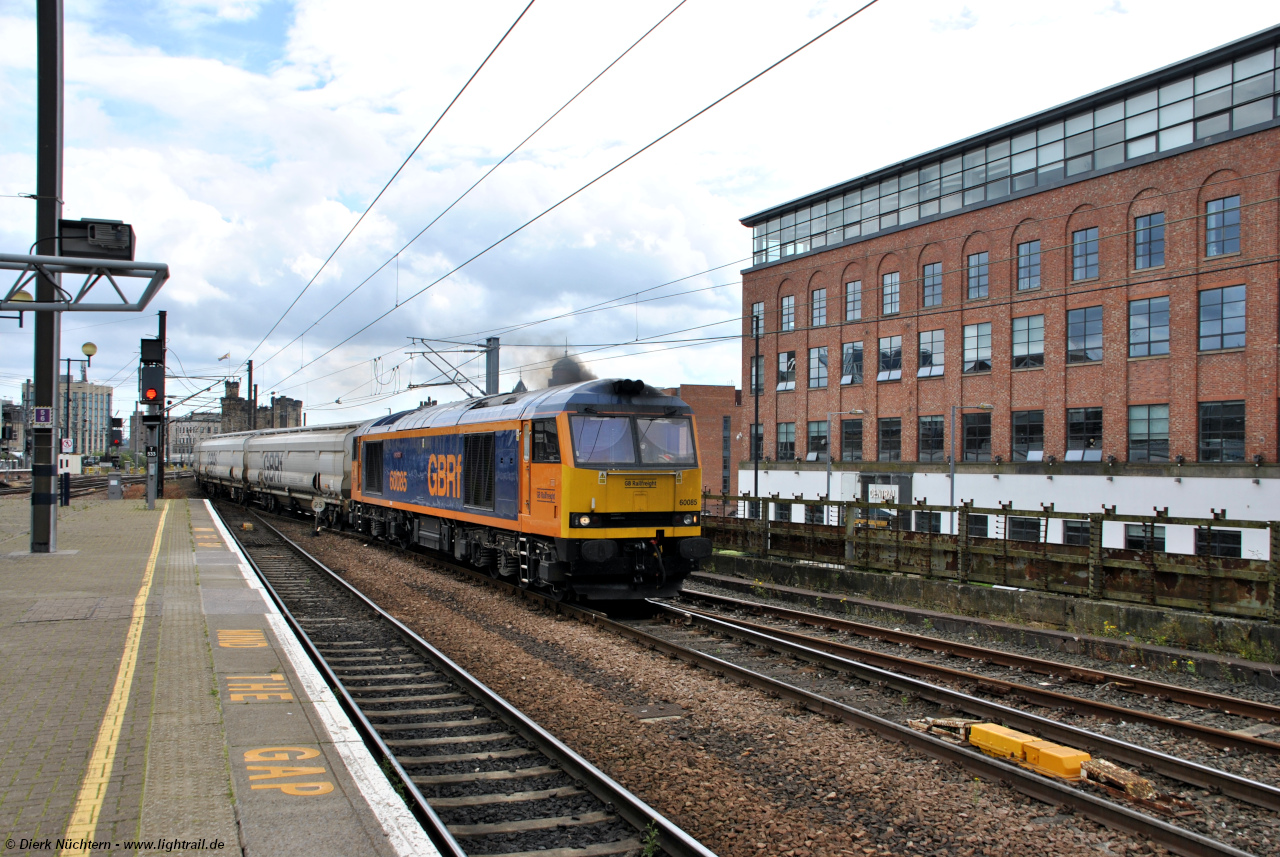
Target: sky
243, 139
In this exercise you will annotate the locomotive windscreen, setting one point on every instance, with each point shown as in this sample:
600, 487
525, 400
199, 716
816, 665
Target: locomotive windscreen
603, 440
664, 440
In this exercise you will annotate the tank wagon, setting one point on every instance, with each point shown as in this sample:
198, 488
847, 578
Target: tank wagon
589, 490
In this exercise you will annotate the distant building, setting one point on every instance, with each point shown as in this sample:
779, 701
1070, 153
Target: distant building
13, 431
283, 412
89, 422
721, 425
186, 431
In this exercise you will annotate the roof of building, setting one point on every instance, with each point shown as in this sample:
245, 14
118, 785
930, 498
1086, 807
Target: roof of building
1201, 76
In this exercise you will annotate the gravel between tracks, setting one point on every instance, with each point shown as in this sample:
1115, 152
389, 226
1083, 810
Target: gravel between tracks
745, 774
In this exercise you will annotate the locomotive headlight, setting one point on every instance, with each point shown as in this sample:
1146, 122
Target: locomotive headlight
688, 520
584, 521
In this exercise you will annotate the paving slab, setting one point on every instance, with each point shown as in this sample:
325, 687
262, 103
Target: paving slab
149, 692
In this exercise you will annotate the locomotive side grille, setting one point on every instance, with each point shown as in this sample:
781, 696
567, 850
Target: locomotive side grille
373, 468
477, 470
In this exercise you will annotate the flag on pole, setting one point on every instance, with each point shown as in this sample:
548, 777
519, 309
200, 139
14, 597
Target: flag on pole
226, 356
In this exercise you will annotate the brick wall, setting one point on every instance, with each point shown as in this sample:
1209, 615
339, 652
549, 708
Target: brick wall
711, 404
1180, 186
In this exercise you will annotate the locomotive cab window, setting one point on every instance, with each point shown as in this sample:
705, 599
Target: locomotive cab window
477, 470
665, 440
546, 442
603, 440
372, 468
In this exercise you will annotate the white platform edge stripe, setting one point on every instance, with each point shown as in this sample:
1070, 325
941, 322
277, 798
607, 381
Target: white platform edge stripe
404, 833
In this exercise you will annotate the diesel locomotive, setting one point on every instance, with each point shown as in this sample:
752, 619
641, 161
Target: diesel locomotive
590, 491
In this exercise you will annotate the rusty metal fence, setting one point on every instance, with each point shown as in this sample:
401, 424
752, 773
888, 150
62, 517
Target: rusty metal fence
879, 537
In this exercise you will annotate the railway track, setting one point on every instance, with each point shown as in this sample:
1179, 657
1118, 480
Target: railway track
80, 487
482, 777
1034, 694
748, 667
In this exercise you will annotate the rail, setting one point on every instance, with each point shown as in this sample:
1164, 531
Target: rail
877, 537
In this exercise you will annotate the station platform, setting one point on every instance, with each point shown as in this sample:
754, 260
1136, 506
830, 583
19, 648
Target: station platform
152, 700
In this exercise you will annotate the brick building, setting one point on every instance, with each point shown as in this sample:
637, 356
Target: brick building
282, 412
722, 427
1099, 277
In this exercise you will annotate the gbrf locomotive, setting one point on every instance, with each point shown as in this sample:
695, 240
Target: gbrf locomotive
589, 490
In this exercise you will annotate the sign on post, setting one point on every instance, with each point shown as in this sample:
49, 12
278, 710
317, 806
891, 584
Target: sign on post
68, 445
43, 418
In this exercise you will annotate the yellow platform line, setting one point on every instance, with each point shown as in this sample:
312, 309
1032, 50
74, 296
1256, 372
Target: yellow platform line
93, 790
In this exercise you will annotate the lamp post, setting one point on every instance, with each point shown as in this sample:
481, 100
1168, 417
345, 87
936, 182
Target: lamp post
88, 350
855, 412
952, 458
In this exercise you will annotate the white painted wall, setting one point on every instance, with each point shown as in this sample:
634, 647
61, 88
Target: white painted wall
1193, 497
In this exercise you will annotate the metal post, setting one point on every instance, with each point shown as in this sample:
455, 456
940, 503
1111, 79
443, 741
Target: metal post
162, 439
251, 394
44, 466
951, 470
491, 366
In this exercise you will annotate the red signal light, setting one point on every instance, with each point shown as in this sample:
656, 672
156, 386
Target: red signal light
151, 394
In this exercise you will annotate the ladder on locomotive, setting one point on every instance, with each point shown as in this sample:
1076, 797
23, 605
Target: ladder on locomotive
522, 551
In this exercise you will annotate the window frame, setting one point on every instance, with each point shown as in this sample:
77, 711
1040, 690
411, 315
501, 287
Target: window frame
1211, 432
1024, 424
891, 293
1084, 254
849, 429
1029, 265
1222, 226
890, 359
889, 429
852, 359
1082, 443
784, 442
1222, 340
786, 371
936, 348
979, 275
1152, 339
1146, 444
1082, 330
818, 366
1148, 241
818, 308
787, 319
820, 436
853, 301
931, 285
1025, 340
974, 361
935, 434
976, 435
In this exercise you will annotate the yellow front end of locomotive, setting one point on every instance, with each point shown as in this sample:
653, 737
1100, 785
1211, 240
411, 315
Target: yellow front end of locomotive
620, 504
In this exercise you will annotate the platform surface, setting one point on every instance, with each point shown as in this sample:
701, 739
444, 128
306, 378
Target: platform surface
152, 700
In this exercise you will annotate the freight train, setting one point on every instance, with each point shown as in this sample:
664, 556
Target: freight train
589, 491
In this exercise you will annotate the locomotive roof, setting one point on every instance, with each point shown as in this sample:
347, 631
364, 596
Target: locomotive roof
521, 406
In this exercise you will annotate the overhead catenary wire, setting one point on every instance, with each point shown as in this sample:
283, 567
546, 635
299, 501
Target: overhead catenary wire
394, 175
593, 181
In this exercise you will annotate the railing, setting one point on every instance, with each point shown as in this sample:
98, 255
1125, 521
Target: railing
877, 537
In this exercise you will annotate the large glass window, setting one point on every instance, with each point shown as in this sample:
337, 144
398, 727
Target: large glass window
1028, 342
546, 442
1148, 241
1149, 327
788, 312
757, 442
757, 318
1225, 543
931, 439
1222, 431
818, 307
979, 275
932, 353
977, 347
603, 440
931, 286
1028, 265
666, 440
890, 358
786, 441
1143, 537
1148, 432
817, 449
851, 363
890, 447
1084, 335
1084, 434
1222, 318
1028, 435
1084, 254
977, 437
818, 367
786, 370
1222, 226
1024, 529
853, 300
891, 293
757, 374
1075, 533
851, 440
